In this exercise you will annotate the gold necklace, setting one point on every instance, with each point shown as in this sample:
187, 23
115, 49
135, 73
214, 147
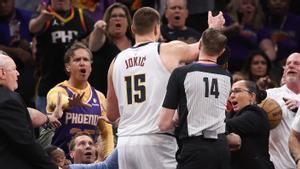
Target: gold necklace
60, 18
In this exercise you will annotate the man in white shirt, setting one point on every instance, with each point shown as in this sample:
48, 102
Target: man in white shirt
287, 96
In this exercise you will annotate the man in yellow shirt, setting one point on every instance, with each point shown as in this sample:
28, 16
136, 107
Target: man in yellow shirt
82, 104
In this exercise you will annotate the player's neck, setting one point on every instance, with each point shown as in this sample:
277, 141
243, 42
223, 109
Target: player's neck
144, 39
208, 60
205, 58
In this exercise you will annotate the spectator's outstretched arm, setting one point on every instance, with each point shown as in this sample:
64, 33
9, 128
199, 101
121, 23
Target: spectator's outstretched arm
112, 100
37, 24
38, 118
269, 48
98, 37
294, 146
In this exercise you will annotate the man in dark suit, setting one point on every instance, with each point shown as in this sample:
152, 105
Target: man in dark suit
18, 148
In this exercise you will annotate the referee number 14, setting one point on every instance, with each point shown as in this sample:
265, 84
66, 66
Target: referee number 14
211, 87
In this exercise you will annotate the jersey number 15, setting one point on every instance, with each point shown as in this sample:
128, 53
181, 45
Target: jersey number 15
136, 89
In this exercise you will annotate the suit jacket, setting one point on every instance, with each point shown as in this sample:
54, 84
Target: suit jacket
18, 148
252, 125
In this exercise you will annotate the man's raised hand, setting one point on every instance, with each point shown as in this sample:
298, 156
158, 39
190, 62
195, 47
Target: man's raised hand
76, 100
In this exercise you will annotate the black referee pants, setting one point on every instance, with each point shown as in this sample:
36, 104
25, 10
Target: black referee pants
202, 153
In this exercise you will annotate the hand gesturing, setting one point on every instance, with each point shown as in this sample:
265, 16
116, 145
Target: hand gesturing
76, 100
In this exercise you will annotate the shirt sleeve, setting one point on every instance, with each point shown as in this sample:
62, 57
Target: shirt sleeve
106, 132
52, 98
15, 126
246, 123
173, 91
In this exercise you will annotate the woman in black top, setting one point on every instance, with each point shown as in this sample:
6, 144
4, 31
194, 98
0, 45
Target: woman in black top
250, 122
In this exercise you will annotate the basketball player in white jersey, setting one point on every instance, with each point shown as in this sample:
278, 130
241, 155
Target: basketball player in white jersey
137, 81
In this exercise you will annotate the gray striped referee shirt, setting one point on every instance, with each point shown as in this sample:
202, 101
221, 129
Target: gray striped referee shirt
199, 92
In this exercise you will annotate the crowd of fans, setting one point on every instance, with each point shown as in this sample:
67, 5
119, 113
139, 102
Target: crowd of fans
38, 36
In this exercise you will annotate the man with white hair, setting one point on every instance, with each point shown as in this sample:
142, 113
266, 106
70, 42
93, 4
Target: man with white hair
18, 148
288, 96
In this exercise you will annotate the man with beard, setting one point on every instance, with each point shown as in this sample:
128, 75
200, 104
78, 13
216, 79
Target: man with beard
176, 14
288, 96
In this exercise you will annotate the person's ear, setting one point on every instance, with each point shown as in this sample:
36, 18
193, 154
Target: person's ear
72, 154
133, 30
186, 13
253, 98
2, 74
200, 44
222, 51
156, 30
166, 13
67, 66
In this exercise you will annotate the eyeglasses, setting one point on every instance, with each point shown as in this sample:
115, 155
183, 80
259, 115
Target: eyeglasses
239, 90
118, 16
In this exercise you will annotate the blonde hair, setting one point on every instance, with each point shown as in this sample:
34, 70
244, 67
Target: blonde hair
258, 18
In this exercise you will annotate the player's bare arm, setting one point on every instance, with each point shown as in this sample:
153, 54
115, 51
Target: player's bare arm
112, 101
166, 119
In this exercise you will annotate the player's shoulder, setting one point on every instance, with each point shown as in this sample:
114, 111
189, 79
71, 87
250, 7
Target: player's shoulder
172, 44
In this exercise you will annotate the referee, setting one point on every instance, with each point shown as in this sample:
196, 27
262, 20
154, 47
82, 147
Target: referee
199, 91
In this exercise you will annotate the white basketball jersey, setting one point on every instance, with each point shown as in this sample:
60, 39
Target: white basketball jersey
140, 81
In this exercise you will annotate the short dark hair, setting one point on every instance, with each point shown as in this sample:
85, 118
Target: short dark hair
213, 41
81, 133
144, 20
50, 148
73, 48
